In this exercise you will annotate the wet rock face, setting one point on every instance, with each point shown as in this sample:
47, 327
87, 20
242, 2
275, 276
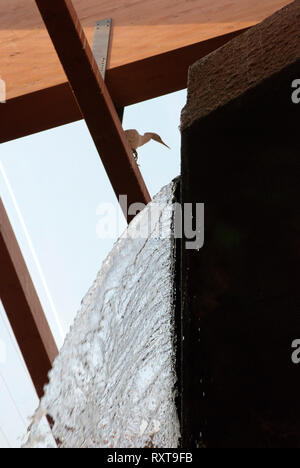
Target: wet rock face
113, 384
240, 157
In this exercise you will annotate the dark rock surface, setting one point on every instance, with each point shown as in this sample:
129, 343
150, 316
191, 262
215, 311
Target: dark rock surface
241, 292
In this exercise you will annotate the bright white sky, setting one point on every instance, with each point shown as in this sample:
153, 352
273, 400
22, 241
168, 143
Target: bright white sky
51, 184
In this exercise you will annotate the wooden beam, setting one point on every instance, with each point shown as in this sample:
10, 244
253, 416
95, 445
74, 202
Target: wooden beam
93, 99
141, 29
153, 44
23, 308
145, 79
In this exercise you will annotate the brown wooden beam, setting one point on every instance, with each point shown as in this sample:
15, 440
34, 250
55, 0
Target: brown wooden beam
93, 99
141, 29
23, 308
145, 79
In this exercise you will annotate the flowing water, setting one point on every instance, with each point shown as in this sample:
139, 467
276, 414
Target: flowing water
113, 383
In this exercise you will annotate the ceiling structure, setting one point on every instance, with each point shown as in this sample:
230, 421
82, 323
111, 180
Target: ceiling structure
153, 43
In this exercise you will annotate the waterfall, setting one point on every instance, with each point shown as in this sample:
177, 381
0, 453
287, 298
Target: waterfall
113, 384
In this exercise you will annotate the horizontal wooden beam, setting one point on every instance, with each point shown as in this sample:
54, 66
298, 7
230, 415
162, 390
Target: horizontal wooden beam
153, 44
93, 99
23, 307
145, 79
141, 29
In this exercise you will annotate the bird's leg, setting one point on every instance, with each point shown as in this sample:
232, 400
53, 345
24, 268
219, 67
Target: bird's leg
135, 154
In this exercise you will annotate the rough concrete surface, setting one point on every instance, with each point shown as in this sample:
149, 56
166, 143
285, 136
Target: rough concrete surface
243, 63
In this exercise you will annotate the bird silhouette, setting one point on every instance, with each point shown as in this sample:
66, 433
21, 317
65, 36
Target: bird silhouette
136, 140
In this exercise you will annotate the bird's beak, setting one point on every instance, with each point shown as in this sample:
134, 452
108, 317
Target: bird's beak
157, 138
160, 141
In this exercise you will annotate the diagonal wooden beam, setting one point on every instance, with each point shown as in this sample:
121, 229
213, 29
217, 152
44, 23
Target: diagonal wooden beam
23, 307
93, 99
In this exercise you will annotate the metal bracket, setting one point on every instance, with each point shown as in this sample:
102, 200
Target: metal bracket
101, 43
101, 48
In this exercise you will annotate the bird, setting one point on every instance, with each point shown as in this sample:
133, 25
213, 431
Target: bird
136, 140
